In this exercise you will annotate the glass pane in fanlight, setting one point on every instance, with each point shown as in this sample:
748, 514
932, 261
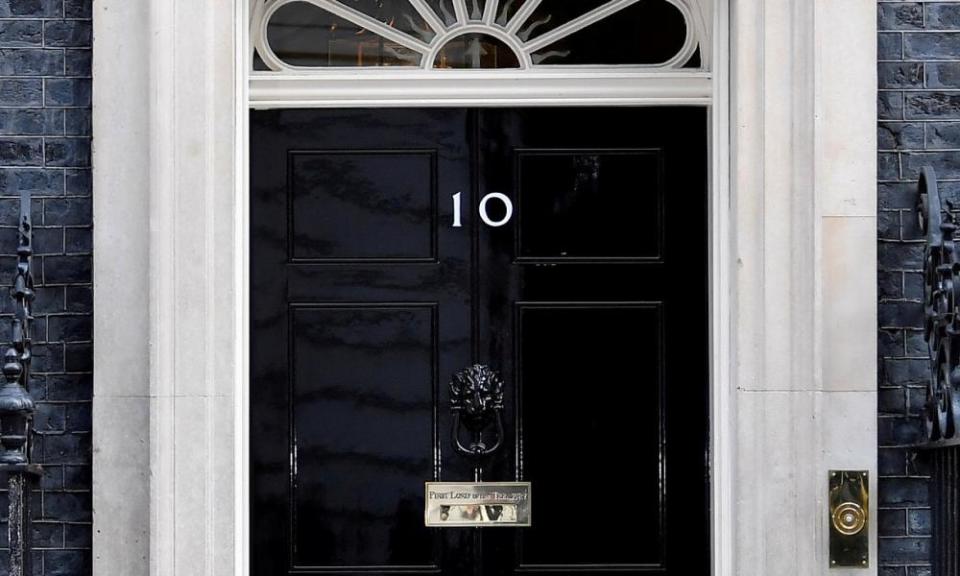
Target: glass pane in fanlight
506, 10
258, 63
399, 14
553, 13
476, 51
648, 32
445, 10
475, 9
302, 34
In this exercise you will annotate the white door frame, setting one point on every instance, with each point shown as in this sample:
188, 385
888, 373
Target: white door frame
792, 279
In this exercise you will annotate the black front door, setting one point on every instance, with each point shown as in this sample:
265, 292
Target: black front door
564, 248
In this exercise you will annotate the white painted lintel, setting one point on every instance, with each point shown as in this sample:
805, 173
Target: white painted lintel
472, 88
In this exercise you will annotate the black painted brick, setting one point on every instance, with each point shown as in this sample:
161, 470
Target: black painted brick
942, 16
904, 549
888, 167
72, 152
69, 387
68, 92
67, 270
66, 562
78, 122
900, 16
31, 8
31, 121
67, 33
900, 256
888, 226
892, 462
918, 522
900, 135
21, 151
67, 211
39, 182
931, 45
45, 97
931, 105
79, 62
21, 33
31, 62
889, 46
917, 124
890, 105
892, 522
891, 195
942, 74
78, 182
900, 74
900, 431
900, 492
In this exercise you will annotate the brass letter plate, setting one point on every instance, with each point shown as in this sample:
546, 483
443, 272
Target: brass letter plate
479, 504
849, 518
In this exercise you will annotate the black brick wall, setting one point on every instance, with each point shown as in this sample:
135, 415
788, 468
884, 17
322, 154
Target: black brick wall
919, 123
45, 90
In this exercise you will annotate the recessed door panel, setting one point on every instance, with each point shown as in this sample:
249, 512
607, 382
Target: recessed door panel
589, 204
565, 250
590, 380
336, 193
363, 401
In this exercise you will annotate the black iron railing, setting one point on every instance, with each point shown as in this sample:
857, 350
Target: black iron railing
16, 405
942, 333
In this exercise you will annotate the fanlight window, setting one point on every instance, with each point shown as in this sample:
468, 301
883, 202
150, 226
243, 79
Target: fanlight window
304, 35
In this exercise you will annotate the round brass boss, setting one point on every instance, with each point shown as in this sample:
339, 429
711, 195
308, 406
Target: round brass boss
849, 518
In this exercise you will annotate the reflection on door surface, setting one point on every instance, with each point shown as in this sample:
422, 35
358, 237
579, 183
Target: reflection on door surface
565, 248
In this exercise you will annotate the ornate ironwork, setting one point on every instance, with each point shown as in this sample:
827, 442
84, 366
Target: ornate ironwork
476, 401
942, 323
16, 405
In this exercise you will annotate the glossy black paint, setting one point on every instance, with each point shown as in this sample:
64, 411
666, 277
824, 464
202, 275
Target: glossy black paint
591, 303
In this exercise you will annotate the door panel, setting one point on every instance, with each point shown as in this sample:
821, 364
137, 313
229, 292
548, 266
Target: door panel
358, 488
591, 301
360, 301
595, 190
338, 192
590, 380
596, 300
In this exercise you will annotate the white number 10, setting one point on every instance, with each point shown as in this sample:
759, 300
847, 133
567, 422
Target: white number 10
507, 204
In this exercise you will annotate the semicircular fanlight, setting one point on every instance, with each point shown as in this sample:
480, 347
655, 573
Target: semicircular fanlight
476, 51
479, 34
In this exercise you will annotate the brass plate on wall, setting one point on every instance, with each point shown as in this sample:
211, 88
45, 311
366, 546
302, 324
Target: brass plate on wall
849, 518
477, 504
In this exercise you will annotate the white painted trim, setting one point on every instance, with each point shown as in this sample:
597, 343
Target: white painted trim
429, 16
488, 88
522, 15
490, 12
722, 414
460, 8
241, 336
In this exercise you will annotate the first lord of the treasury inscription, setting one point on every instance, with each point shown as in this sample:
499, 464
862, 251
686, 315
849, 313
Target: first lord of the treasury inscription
477, 504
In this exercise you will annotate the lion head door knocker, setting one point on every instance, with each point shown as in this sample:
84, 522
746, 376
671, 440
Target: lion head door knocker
476, 400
